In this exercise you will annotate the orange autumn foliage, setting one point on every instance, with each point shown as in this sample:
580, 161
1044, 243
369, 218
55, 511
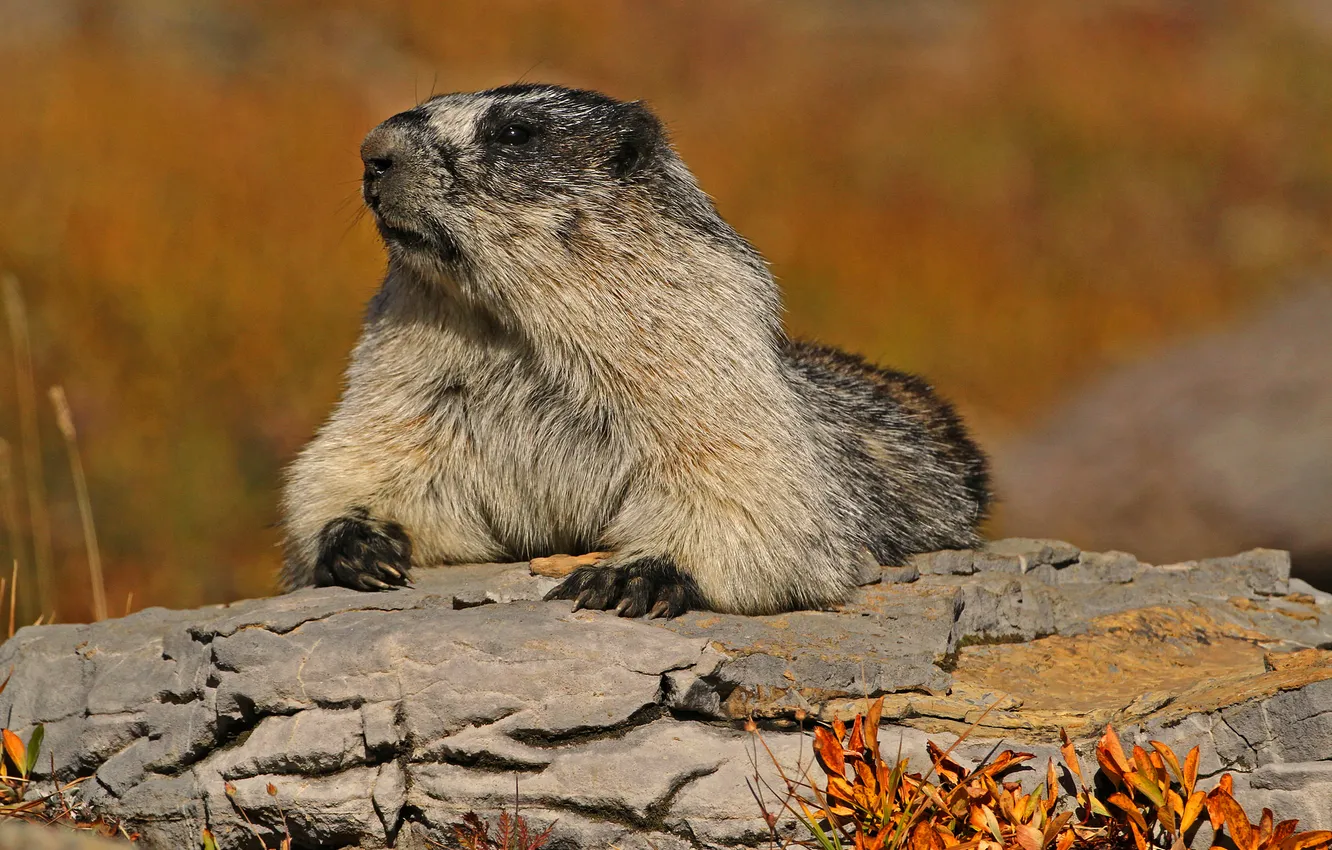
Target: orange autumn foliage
866, 802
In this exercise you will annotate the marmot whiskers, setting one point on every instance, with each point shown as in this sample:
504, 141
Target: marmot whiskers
573, 352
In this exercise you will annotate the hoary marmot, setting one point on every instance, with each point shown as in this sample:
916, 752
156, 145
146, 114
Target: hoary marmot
572, 351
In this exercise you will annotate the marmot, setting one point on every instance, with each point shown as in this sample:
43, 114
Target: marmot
572, 351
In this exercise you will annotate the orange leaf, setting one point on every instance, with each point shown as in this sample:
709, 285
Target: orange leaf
1307, 840
1137, 835
1170, 812
1264, 827
1028, 837
1121, 801
1055, 825
924, 837
1141, 761
1190, 771
1227, 784
1022, 807
1237, 823
1110, 755
14, 749
1051, 786
872, 725
828, 750
1174, 802
1283, 830
1168, 755
840, 789
1215, 816
1066, 840
1159, 770
944, 766
1005, 801
1070, 755
857, 741
864, 775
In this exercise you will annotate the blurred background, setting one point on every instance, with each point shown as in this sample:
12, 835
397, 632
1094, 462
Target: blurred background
1101, 227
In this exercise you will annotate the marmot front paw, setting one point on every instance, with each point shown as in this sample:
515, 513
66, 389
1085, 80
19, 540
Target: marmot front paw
362, 553
653, 586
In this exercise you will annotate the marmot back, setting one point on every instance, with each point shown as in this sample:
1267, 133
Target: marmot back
571, 351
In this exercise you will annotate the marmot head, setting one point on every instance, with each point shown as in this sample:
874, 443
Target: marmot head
522, 181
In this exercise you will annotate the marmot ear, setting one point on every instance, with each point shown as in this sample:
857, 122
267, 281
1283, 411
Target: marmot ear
639, 139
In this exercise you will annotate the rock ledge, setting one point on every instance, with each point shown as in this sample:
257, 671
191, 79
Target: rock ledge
383, 718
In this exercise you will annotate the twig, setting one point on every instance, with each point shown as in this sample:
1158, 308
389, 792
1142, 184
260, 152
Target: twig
66, 422
38, 519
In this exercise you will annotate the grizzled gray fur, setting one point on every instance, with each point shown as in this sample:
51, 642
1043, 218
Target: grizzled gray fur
573, 352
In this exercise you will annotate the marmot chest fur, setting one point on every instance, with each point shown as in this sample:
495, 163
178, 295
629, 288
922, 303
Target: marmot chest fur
571, 351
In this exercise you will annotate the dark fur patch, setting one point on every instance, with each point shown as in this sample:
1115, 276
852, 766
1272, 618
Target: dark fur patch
362, 553
901, 447
567, 232
654, 586
412, 120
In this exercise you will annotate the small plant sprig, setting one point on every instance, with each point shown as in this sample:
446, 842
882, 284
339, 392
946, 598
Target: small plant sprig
209, 841
1155, 802
864, 802
513, 833
16, 766
17, 762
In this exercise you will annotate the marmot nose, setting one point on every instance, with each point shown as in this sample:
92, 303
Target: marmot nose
378, 152
377, 166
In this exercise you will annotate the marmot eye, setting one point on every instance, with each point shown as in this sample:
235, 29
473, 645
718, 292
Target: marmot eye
514, 134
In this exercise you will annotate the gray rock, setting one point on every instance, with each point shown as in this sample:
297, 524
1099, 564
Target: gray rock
1100, 568
1218, 445
385, 718
1034, 552
900, 575
948, 562
1293, 776
24, 836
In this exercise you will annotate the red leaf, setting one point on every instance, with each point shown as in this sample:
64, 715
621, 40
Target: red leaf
828, 750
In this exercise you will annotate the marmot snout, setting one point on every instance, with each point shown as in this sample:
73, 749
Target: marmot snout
572, 351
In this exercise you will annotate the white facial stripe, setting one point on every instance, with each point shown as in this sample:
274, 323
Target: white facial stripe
455, 119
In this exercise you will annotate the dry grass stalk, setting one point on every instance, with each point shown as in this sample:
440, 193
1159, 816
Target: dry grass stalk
38, 519
13, 597
66, 422
9, 502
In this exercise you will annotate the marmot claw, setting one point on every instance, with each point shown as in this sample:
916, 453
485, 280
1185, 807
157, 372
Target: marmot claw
364, 554
653, 586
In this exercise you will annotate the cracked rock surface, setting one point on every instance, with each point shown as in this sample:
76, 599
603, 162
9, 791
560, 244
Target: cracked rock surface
380, 719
